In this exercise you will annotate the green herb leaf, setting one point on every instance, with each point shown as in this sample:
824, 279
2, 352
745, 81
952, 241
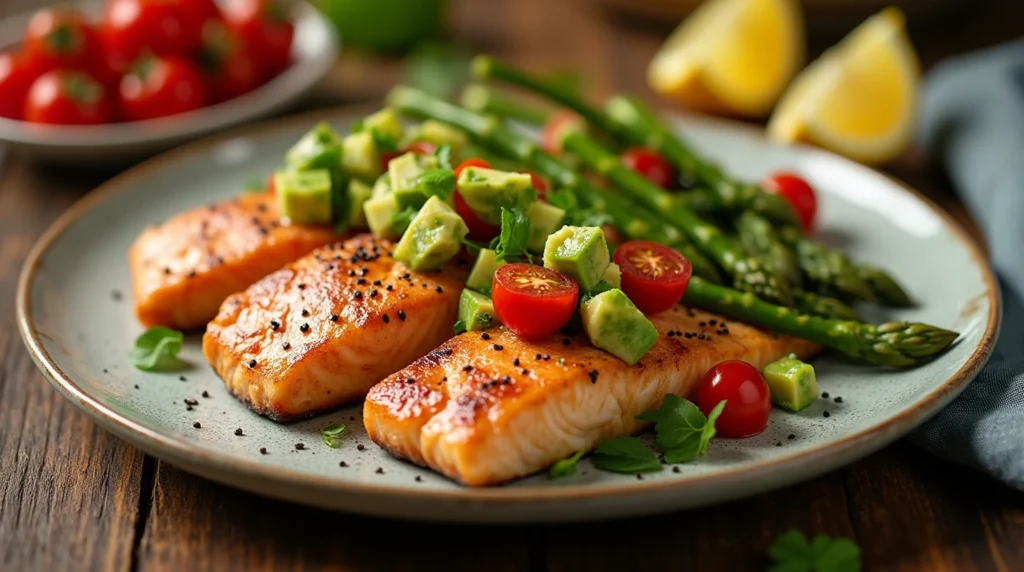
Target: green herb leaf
401, 221
437, 182
459, 327
331, 435
563, 199
625, 455
444, 156
383, 141
515, 234
565, 467
157, 349
438, 69
792, 553
357, 126
681, 429
474, 248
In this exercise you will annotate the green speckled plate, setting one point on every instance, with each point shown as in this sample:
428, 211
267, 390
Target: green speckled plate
75, 315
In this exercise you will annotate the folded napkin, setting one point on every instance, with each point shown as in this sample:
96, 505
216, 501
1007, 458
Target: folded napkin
972, 124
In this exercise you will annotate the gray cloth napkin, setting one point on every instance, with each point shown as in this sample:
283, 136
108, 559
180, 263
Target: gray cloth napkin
972, 124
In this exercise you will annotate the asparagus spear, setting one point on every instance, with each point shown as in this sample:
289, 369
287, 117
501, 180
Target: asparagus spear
894, 344
478, 98
885, 288
758, 238
748, 274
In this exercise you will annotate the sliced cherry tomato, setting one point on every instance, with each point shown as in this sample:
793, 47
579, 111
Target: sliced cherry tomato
745, 392
650, 164
421, 148
161, 86
67, 98
478, 228
551, 135
533, 301
654, 276
60, 38
15, 79
163, 27
230, 70
799, 194
266, 28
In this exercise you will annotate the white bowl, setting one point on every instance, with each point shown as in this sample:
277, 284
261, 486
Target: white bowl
314, 51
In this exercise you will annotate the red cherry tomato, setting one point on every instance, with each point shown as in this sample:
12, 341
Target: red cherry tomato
67, 98
650, 164
533, 301
478, 228
162, 27
654, 276
15, 79
747, 400
799, 194
421, 148
230, 70
158, 87
60, 38
551, 135
539, 184
266, 28
386, 157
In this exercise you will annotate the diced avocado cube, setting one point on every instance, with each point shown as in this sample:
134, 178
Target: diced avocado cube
304, 197
476, 311
544, 220
579, 252
405, 170
360, 156
482, 275
382, 186
613, 276
380, 214
358, 193
439, 134
486, 191
319, 148
385, 126
792, 383
434, 236
616, 326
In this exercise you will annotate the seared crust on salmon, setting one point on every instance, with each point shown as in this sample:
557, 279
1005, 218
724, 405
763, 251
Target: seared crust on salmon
485, 411
322, 330
183, 269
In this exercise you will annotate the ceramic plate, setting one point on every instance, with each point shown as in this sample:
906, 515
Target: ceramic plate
76, 318
313, 53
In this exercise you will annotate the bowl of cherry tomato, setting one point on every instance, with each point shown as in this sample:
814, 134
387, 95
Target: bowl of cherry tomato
113, 80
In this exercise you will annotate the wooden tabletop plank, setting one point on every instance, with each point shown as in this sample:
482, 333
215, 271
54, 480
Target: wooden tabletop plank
69, 492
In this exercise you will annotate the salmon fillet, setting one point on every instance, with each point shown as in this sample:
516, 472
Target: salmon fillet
321, 331
485, 411
183, 269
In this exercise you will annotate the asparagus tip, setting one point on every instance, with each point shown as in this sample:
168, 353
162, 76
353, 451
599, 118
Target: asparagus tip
482, 66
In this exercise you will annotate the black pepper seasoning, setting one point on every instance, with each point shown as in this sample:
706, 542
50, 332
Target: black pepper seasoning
239, 432
826, 414
791, 436
302, 286
252, 363
334, 317
189, 401
825, 395
263, 450
566, 341
439, 290
838, 399
419, 479
357, 295
304, 328
467, 368
389, 287
485, 336
286, 346
305, 313
206, 394
343, 464
401, 315
361, 447
377, 282
300, 446
593, 375
675, 469
498, 347
180, 377
387, 320
274, 325
379, 471
197, 425
515, 362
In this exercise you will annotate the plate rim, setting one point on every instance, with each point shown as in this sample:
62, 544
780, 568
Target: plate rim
183, 455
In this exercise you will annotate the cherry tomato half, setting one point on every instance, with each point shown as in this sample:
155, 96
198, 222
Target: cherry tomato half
15, 79
799, 194
161, 86
745, 392
67, 98
533, 301
266, 29
162, 27
650, 164
230, 69
654, 276
551, 135
478, 228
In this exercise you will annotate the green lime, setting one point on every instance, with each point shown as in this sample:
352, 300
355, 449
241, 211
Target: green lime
384, 25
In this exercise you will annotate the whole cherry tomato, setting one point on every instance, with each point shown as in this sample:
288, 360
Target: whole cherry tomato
60, 38
230, 70
745, 392
650, 164
161, 27
67, 98
479, 229
533, 301
799, 194
160, 86
654, 276
267, 30
554, 129
15, 79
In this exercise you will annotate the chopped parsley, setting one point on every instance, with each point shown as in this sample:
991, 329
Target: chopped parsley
444, 156
792, 553
515, 234
157, 349
681, 430
625, 455
459, 327
565, 467
331, 435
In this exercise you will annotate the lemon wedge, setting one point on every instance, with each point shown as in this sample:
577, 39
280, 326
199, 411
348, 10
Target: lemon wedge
731, 56
857, 99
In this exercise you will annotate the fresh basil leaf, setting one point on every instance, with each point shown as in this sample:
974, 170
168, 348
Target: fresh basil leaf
565, 467
563, 199
459, 327
157, 349
331, 435
384, 141
515, 234
444, 156
438, 183
792, 552
675, 421
687, 450
401, 221
708, 432
625, 455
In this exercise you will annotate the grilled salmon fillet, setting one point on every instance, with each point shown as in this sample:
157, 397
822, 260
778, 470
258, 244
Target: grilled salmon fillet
487, 409
322, 330
183, 269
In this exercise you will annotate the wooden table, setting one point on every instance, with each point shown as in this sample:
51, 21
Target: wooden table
72, 497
